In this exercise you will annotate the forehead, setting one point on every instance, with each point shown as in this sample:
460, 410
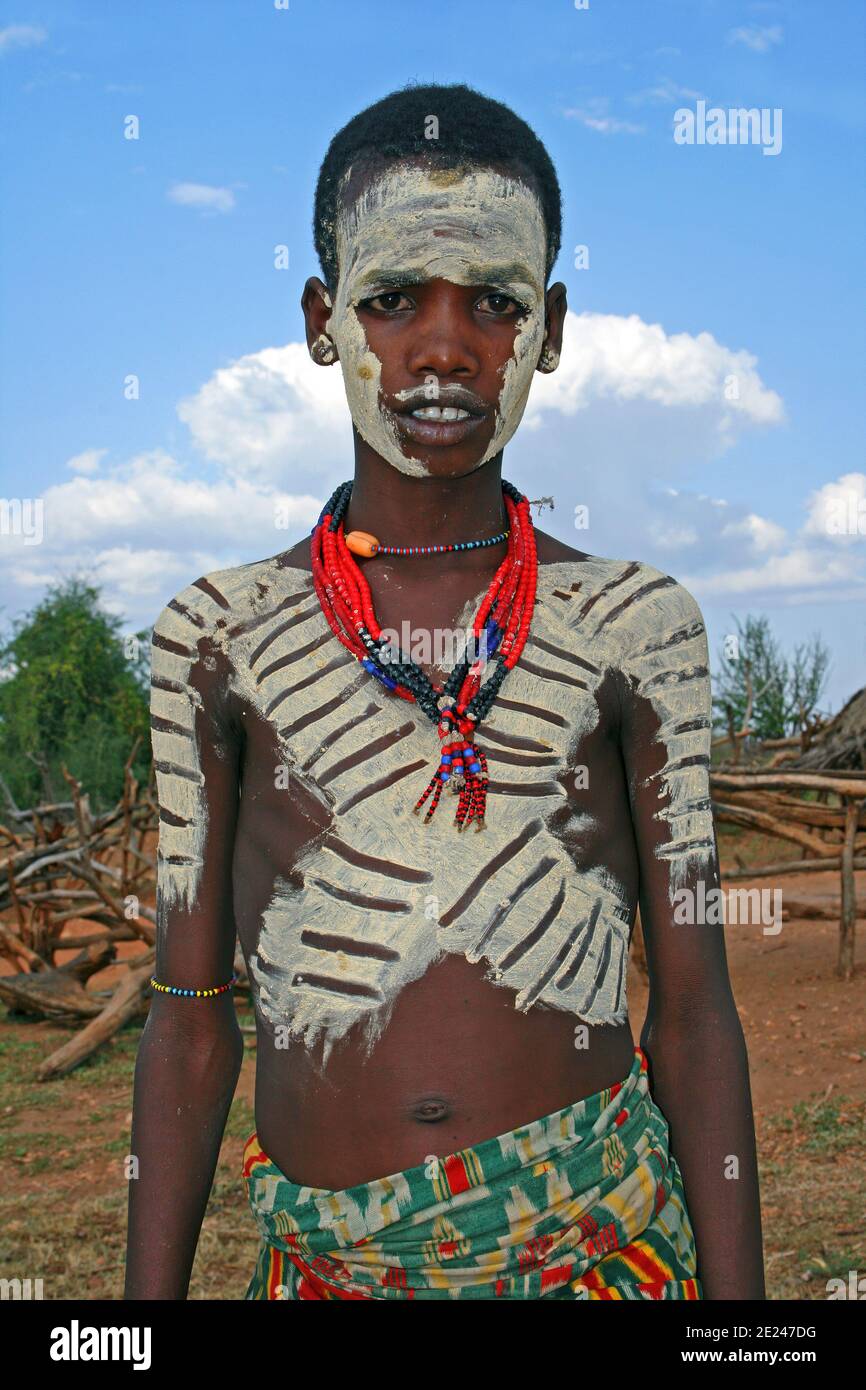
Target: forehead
425, 217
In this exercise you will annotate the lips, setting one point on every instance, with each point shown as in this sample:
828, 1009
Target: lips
449, 419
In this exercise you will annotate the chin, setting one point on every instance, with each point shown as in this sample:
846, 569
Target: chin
441, 464
457, 460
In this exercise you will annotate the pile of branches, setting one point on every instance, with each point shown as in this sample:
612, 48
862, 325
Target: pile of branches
62, 865
59, 864
841, 744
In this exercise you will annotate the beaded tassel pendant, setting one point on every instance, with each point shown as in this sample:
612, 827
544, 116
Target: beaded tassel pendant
499, 631
465, 767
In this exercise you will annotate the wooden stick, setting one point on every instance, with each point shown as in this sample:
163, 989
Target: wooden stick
16, 902
77, 943
807, 908
13, 809
124, 1003
791, 866
95, 910
845, 967
83, 820
759, 820
130, 789
748, 781
14, 948
142, 929
789, 808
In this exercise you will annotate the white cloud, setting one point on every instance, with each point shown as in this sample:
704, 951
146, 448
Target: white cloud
86, 462
764, 534
260, 415
605, 125
802, 575
21, 36
759, 38
671, 537
817, 563
663, 93
624, 359
149, 496
837, 511
146, 529
132, 574
203, 196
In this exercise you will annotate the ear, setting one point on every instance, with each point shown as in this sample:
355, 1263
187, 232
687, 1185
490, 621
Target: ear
555, 305
316, 307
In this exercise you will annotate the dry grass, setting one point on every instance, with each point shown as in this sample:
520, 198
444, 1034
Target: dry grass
813, 1195
62, 1149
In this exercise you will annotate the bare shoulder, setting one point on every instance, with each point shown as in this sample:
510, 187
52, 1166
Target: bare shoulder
222, 601
637, 581
632, 612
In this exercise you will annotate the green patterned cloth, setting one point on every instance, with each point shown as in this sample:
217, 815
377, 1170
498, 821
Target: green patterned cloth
585, 1203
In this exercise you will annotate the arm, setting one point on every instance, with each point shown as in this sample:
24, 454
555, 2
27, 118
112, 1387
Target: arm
190, 1053
699, 1069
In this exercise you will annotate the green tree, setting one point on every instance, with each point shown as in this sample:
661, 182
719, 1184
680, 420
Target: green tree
73, 691
757, 684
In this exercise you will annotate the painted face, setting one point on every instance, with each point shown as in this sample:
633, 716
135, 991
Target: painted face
412, 225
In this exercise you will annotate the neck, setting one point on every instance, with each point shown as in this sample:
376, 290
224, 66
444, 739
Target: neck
402, 510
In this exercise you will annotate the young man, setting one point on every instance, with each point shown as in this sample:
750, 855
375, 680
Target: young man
449, 1102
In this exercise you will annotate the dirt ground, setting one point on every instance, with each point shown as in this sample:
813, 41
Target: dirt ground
62, 1144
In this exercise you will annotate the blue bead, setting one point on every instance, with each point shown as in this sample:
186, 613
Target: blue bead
444, 776
474, 767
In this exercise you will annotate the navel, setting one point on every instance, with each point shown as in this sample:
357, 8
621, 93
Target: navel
430, 1110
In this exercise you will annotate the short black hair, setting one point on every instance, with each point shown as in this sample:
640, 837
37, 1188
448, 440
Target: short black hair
473, 129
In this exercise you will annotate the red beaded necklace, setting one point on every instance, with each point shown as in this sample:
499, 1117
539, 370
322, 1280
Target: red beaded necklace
499, 631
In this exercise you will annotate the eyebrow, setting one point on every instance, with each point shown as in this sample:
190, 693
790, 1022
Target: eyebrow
390, 275
487, 275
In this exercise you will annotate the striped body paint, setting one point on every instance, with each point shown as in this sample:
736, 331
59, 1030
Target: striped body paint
374, 899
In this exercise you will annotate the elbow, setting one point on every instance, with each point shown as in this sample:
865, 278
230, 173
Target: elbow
201, 1049
701, 1025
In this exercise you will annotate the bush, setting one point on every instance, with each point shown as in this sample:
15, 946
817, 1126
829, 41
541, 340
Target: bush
73, 691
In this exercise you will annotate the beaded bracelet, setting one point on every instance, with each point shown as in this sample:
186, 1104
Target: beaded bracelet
192, 993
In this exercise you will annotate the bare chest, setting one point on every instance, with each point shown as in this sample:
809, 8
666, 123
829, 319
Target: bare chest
356, 897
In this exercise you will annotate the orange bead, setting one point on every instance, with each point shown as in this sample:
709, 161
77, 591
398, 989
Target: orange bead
362, 543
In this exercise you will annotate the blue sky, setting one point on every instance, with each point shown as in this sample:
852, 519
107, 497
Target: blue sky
155, 257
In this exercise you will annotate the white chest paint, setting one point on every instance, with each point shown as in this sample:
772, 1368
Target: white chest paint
384, 896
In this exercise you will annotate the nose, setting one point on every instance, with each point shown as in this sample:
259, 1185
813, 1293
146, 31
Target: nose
443, 334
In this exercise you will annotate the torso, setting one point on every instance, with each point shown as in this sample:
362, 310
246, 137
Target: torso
417, 989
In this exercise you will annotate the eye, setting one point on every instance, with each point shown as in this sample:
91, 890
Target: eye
392, 301
502, 305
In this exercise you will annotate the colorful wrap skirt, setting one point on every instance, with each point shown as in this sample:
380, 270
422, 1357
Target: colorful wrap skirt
585, 1203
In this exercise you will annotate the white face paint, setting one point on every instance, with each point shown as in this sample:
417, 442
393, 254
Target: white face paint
411, 224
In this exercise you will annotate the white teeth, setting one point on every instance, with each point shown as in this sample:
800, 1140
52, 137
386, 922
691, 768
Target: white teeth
436, 412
